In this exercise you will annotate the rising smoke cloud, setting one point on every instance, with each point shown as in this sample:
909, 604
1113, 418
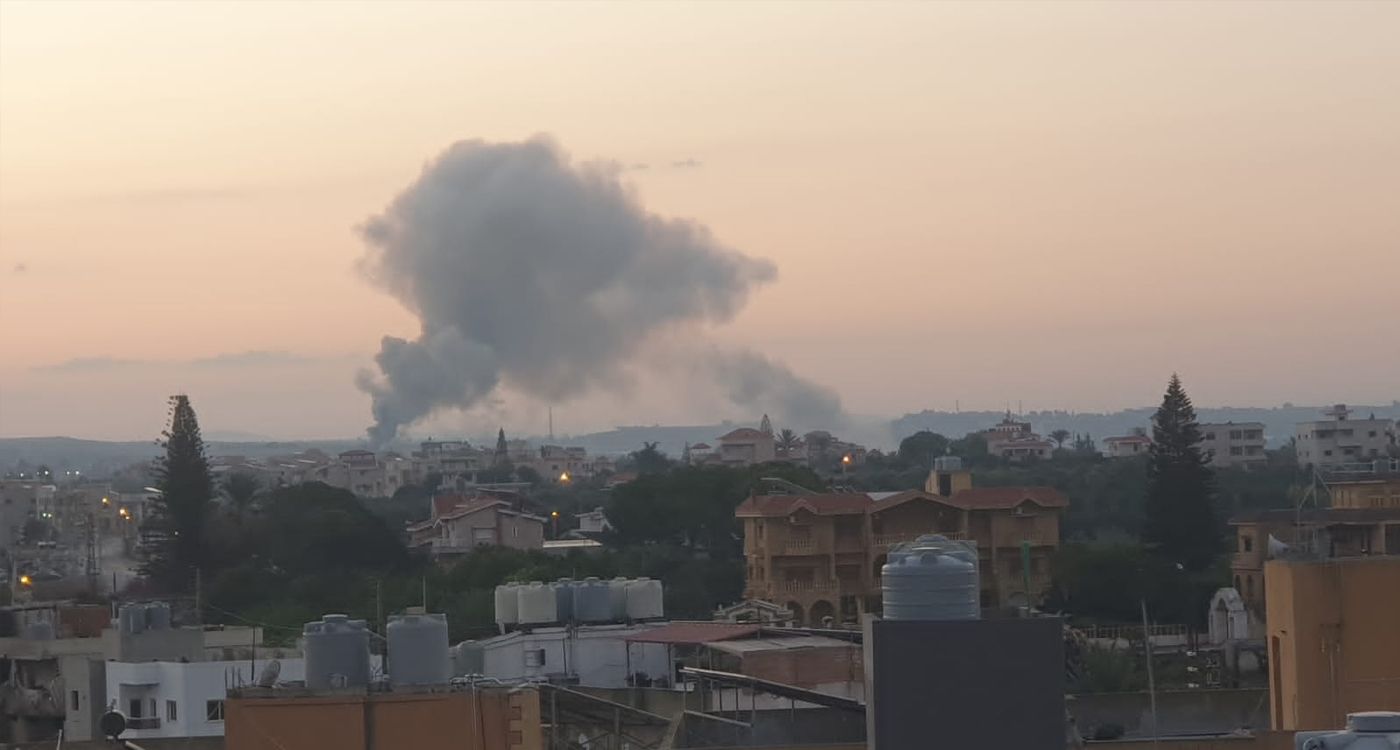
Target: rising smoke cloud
527, 269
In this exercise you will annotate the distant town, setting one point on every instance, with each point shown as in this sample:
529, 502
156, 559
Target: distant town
753, 563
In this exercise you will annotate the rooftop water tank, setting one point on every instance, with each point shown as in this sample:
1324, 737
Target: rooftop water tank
468, 657
337, 653
644, 599
158, 616
931, 579
131, 619
507, 605
617, 599
1368, 730
947, 463
564, 599
418, 650
537, 604
591, 601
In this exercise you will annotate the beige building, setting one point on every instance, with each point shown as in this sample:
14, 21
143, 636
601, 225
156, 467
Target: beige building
460, 524
1127, 446
1339, 439
1014, 441
819, 555
1233, 443
1332, 640
746, 446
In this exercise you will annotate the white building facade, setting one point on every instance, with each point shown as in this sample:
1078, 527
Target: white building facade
182, 699
597, 655
1339, 439
1233, 443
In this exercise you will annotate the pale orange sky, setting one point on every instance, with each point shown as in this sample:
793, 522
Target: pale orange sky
1057, 204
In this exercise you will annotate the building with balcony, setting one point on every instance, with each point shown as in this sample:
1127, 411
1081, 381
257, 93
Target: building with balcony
1013, 440
460, 524
1360, 518
1233, 443
1339, 439
746, 446
820, 555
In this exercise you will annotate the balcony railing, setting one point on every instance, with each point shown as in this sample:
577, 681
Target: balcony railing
143, 722
889, 540
799, 547
795, 587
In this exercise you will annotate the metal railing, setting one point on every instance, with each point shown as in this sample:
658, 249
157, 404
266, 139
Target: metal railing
800, 586
143, 722
799, 547
889, 540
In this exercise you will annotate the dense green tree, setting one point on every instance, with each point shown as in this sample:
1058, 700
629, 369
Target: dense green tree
921, 448
502, 450
172, 535
1180, 524
972, 449
1059, 436
650, 460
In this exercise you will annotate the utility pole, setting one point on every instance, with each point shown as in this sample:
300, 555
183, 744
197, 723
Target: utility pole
1151, 683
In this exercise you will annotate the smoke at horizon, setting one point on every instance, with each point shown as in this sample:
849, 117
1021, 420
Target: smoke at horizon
529, 270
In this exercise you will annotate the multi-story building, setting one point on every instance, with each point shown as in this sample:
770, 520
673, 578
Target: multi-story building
1013, 440
1360, 517
820, 555
1339, 439
460, 524
1332, 628
1127, 446
746, 446
1233, 443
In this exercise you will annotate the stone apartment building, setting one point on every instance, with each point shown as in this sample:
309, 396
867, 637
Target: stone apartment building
1339, 439
1233, 443
820, 555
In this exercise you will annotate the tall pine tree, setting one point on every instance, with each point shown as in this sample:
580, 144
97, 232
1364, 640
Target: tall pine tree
172, 535
1181, 525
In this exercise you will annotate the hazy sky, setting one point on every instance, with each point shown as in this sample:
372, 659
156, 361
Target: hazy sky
1057, 204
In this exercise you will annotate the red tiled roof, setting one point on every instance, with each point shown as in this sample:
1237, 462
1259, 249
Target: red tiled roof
472, 506
694, 633
743, 433
443, 504
822, 505
979, 498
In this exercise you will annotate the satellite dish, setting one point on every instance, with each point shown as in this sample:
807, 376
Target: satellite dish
1277, 548
112, 724
268, 676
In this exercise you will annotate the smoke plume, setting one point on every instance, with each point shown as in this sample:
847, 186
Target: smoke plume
527, 269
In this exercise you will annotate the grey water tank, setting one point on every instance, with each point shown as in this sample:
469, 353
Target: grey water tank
931, 579
158, 616
38, 631
337, 653
644, 599
617, 599
418, 652
131, 619
468, 657
592, 601
564, 599
1367, 730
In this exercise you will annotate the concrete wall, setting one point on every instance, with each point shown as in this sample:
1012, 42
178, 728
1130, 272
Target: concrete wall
1264, 740
84, 684
811, 726
1178, 711
190, 686
598, 657
490, 719
1332, 639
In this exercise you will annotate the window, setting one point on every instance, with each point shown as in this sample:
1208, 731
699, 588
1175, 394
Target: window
1236, 434
213, 710
482, 537
135, 712
73, 699
1210, 436
1248, 543
1236, 450
170, 712
534, 657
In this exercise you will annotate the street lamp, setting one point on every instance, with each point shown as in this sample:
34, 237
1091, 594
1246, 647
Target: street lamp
554, 514
564, 477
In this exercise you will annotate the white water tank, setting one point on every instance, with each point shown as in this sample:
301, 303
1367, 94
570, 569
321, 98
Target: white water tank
1367, 730
644, 599
336, 652
592, 601
507, 604
537, 604
418, 650
468, 657
931, 578
564, 599
617, 599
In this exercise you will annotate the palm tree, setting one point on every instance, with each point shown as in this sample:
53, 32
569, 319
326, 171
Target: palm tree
787, 440
1060, 436
240, 489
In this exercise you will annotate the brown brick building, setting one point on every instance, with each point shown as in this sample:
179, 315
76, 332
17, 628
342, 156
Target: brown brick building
820, 555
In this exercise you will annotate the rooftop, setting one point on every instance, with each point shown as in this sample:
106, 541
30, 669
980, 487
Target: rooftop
975, 498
